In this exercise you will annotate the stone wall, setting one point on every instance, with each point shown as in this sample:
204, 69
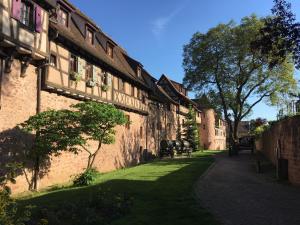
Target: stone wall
19, 102
282, 141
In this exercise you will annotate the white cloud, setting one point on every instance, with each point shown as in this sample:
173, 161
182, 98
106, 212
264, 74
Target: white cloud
159, 25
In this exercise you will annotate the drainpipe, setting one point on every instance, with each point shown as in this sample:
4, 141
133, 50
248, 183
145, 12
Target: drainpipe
39, 88
1, 77
40, 69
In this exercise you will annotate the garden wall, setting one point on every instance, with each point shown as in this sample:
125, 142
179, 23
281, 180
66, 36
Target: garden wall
281, 143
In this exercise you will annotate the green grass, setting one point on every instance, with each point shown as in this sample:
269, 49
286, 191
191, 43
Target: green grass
162, 193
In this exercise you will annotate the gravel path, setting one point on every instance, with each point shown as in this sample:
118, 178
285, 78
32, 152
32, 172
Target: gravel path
237, 195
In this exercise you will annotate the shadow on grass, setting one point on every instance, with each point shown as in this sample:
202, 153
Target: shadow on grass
162, 193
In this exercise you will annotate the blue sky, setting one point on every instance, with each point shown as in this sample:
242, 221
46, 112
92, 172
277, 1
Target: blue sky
155, 31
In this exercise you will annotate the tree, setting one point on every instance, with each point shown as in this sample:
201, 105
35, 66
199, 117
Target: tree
71, 130
190, 130
207, 101
280, 36
97, 122
257, 123
54, 132
222, 62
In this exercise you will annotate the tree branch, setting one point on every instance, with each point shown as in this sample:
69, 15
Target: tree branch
254, 104
253, 89
85, 149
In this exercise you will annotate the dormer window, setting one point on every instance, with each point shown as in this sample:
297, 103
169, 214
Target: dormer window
62, 17
139, 72
109, 50
89, 35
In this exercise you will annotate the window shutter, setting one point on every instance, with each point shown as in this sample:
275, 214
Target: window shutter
95, 73
81, 64
109, 79
38, 19
16, 9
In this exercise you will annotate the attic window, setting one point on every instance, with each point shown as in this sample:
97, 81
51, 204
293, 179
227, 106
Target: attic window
62, 17
139, 72
109, 50
89, 35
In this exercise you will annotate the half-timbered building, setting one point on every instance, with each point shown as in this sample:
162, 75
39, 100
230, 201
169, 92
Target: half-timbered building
53, 56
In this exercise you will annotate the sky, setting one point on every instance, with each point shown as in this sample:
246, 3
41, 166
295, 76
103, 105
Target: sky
154, 31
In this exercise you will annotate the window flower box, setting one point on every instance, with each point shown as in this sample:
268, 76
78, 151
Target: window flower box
75, 76
90, 83
104, 87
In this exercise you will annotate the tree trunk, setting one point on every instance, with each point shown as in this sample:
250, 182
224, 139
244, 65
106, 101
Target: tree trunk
235, 137
92, 157
36, 172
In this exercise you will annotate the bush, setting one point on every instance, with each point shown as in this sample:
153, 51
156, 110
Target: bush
10, 212
260, 130
86, 178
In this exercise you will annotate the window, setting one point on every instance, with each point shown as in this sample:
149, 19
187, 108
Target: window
144, 99
169, 107
89, 35
127, 125
132, 90
121, 85
88, 71
53, 60
203, 126
139, 72
141, 132
109, 50
26, 16
104, 79
73, 63
139, 93
62, 17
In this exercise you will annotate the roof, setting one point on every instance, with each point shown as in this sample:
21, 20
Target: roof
75, 34
176, 90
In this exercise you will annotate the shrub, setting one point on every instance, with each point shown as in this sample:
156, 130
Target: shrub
10, 212
260, 130
86, 178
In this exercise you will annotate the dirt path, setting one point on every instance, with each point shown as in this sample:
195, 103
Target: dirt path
237, 195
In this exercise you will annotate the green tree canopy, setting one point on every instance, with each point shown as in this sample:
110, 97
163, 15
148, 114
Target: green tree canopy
97, 122
280, 35
222, 61
71, 130
190, 130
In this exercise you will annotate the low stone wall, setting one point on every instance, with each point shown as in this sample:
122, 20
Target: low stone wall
282, 143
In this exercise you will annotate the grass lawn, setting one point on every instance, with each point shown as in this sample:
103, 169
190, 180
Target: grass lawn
161, 191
